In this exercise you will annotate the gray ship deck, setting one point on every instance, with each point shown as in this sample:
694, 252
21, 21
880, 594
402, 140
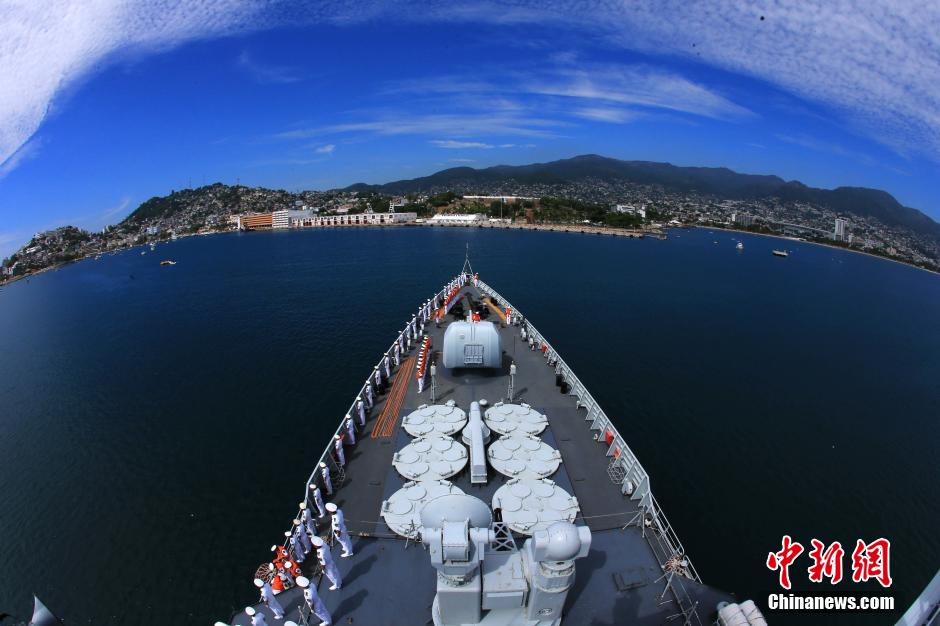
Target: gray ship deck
391, 581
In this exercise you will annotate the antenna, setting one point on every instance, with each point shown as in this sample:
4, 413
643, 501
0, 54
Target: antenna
466, 263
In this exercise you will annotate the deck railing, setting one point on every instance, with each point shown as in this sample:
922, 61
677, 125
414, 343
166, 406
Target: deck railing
624, 466
633, 478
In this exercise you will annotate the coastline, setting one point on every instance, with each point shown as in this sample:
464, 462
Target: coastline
569, 228
819, 243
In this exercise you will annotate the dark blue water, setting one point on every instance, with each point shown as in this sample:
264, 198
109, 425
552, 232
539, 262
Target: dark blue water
158, 423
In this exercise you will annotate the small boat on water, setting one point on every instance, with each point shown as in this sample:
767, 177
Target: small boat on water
740, 246
167, 262
782, 253
153, 245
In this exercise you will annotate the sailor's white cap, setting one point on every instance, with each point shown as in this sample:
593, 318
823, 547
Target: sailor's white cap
274, 547
376, 367
359, 398
287, 533
318, 542
303, 505
259, 583
322, 464
337, 437
250, 611
302, 582
348, 416
331, 507
296, 522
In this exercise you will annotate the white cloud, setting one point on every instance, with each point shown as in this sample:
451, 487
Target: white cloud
327, 149
459, 145
453, 124
877, 62
607, 114
638, 86
47, 46
25, 152
268, 74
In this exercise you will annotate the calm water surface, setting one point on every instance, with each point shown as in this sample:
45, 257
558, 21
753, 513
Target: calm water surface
157, 424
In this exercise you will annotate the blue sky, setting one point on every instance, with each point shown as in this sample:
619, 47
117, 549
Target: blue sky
112, 103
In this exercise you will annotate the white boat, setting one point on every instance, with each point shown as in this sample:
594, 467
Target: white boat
740, 246
782, 253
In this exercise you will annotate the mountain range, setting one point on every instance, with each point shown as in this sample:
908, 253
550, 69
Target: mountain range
717, 181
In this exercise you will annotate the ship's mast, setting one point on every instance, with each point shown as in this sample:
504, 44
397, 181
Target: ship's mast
467, 269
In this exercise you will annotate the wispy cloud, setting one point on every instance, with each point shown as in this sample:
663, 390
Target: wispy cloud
269, 74
638, 86
459, 145
463, 160
327, 149
877, 63
25, 152
819, 145
453, 124
47, 46
607, 114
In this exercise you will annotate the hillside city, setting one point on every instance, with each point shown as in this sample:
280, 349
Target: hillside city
594, 202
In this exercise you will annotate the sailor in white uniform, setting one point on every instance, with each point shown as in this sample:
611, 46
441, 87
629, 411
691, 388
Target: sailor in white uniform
350, 430
338, 447
267, 596
296, 548
325, 474
318, 500
317, 607
388, 370
397, 355
307, 519
361, 410
257, 619
370, 401
338, 525
326, 561
377, 376
301, 536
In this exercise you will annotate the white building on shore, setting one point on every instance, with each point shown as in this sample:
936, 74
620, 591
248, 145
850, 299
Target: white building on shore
457, 219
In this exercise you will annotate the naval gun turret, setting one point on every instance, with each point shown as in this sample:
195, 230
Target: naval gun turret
472, 344
484, 579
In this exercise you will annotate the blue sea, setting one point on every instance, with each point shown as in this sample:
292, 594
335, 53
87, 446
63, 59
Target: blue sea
157, 423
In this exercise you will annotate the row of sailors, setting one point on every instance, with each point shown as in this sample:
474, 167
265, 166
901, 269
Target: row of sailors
304, 538
286, 571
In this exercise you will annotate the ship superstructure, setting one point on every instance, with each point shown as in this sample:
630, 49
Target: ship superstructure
487, 486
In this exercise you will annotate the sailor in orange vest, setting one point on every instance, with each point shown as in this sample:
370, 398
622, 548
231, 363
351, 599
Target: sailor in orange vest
267, 596
277, 583
257, 619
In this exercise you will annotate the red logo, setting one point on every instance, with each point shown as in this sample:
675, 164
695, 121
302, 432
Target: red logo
872, 560
782, 560
869, 561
